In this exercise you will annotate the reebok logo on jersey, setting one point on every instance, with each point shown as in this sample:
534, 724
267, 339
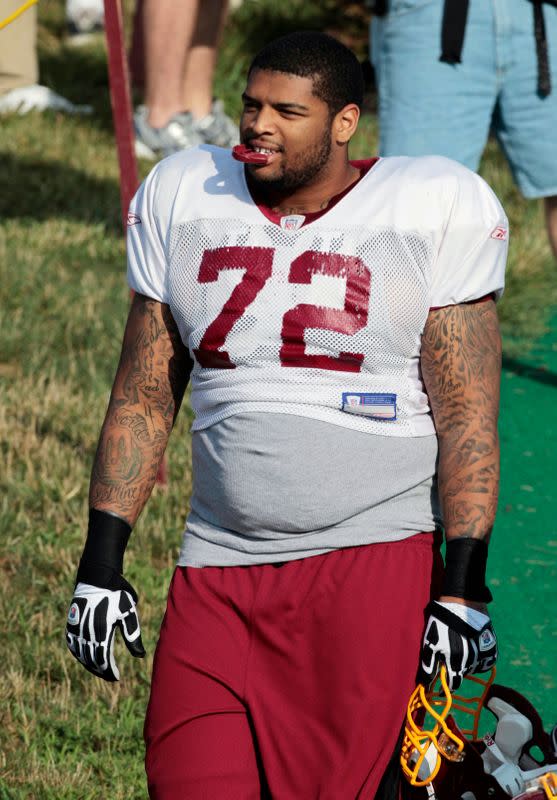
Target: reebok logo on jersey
133, 219
499, 233
292, 222
73, 614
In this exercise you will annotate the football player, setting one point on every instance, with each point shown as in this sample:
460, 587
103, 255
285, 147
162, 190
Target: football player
337, 322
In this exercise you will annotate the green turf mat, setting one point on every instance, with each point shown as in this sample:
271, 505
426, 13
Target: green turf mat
523, 562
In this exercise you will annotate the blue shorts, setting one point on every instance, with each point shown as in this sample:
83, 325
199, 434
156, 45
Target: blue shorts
427, 107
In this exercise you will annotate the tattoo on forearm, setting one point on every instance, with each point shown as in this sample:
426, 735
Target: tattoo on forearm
124, 497
152, 375
461, 364
137, 425
118, 459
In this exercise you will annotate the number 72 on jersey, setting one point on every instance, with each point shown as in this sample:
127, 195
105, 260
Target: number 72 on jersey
257, 263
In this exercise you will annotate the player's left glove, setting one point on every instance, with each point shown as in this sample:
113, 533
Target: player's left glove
461, 638
457, 634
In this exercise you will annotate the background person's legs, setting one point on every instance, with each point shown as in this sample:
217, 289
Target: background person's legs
197, 86
174, 53
20, 91
525, 122
425, 106
210, 121
551, 222
168, 27
19, 65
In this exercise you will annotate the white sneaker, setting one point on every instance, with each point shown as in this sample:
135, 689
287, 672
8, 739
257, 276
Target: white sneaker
85, 21
38, 98
85, 16
152, 143
217, 127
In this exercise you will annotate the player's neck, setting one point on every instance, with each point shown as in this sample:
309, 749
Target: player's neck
314, 197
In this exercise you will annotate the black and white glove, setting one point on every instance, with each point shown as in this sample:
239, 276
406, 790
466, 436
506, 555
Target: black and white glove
103, 600
459, 637
93, 618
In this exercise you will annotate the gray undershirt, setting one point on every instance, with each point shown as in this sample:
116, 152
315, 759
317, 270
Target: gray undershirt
277, 487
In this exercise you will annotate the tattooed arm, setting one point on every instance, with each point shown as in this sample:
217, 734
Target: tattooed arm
148, 388
146, 395
461, 367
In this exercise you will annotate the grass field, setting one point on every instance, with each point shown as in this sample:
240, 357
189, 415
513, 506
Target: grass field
65, 735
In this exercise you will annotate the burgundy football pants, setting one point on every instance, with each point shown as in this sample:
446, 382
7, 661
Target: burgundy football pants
287, 682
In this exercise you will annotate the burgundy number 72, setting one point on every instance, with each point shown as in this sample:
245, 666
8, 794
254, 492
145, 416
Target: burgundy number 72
258, 264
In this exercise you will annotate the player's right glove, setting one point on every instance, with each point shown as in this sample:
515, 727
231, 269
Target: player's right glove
103, 600
465, 646
95, 614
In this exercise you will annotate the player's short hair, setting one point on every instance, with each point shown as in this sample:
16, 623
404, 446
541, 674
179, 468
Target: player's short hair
336, 72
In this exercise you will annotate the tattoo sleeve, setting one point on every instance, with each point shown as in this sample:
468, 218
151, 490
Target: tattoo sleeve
461, 368
152, 376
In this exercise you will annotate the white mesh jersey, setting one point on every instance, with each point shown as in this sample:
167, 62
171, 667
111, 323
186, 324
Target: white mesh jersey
324, 321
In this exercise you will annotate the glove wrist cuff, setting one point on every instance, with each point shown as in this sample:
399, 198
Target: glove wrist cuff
102, 562
465, 567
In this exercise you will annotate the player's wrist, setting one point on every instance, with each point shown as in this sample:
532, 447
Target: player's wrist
102, 561
465, 569
475, 604
475, 614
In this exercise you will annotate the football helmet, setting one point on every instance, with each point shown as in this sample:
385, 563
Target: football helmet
443, 758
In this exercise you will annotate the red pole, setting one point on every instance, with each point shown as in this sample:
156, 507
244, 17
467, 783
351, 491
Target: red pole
120, 100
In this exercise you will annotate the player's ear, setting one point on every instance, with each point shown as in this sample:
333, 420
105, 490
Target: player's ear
345, 123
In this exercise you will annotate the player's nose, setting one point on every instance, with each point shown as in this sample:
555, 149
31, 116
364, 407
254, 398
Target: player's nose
262, 122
